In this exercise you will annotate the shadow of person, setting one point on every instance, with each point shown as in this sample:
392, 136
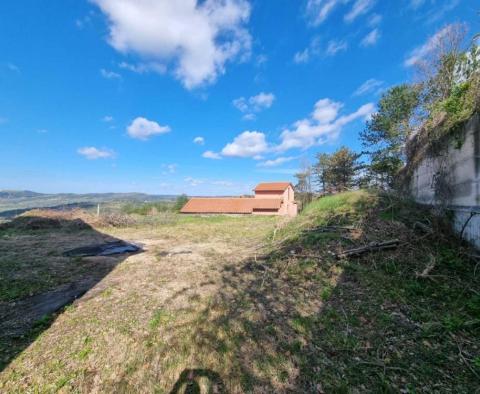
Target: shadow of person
189, 382
40, 276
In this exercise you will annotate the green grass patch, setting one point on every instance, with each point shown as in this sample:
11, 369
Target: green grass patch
160, 317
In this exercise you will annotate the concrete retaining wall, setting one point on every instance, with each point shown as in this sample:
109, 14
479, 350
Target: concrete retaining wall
459, 168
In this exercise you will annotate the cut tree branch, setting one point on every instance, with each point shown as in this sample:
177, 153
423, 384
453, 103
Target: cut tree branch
373, 247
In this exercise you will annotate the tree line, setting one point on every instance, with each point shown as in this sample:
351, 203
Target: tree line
445, 94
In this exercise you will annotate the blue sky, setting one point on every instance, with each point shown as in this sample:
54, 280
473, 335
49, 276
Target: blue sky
203, 97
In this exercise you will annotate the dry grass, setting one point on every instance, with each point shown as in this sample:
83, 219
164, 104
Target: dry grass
134, 329
217, 302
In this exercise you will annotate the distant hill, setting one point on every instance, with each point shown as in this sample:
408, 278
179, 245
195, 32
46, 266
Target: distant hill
12, 201
9, 194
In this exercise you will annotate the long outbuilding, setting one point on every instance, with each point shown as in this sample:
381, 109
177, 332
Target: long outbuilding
270, 198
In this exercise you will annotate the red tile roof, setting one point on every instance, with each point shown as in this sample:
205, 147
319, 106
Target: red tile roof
272, 187
230, 205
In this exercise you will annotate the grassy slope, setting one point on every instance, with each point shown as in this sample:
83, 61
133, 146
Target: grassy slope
383, 328
292, 318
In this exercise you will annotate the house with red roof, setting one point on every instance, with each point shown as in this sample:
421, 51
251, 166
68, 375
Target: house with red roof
272, 198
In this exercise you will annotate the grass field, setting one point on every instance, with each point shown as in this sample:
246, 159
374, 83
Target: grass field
249, 304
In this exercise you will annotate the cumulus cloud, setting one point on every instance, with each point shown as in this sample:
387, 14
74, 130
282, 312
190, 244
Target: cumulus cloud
247, 144
107, 118
371, 38
360, 7
369, 86
142, 129
199, 140
323, 125
254, 104
196, 37
276, 162
419, 53
326, 110
262, 101
107, 74
92, 153
211, 155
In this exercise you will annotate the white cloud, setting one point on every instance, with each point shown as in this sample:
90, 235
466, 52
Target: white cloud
110, 74
142, 68
241, 104
322, 126
313, 49
210, 184
92, 153
326, 110
276, 162
375, 20
360, 7
335, 46
169, 168
319, 10
197, 37
419, 53
262, 101
371, 38
108, 118
193, 181
199, 140
261, 60
84, 21
249, 116
142, 129
302, 57
438, 12
254, 104
369, 86
42, 131
211, 155
416, 3
247, 144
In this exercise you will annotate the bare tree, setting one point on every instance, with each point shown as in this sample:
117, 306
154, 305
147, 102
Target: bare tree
437, 59
304, 182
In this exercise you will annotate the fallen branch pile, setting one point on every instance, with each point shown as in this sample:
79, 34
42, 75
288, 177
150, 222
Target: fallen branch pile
372, 247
